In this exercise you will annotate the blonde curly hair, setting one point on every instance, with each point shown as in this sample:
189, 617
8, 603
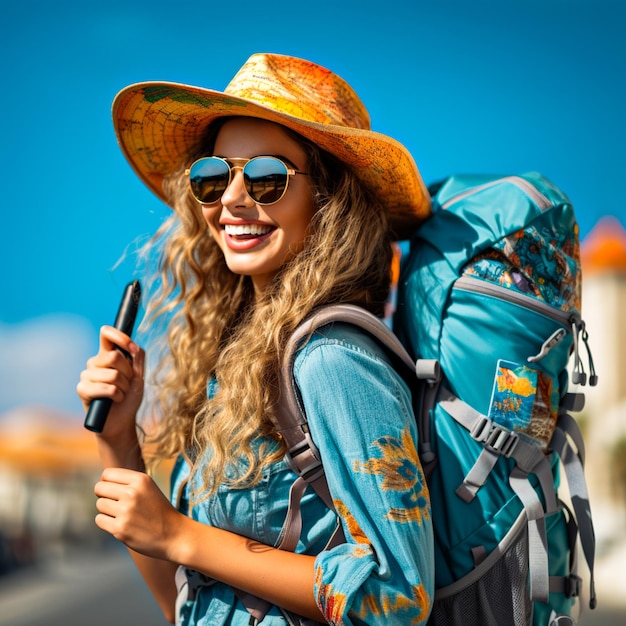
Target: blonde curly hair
214, 328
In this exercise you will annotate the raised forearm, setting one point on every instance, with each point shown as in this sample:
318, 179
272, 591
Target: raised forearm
280, 577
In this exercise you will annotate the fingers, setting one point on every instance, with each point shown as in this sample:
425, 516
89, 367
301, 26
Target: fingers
111, 337
121, 476
116, 485
100, 382
138, 365
127, 506
109, 374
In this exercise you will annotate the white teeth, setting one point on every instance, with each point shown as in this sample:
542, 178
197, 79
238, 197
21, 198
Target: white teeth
246, 229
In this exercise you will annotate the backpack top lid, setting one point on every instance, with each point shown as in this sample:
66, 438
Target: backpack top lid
518, 232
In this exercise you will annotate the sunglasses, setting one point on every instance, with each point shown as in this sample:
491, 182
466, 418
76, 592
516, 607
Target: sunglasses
265, 178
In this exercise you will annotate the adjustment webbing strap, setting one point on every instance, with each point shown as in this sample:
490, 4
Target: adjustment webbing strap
574, 472
428, 374
188, 581
477, 476
569, 426
497, 441
537, 540
257, 607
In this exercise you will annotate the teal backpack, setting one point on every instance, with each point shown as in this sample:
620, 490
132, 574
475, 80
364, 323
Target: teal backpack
487, 322
489, 306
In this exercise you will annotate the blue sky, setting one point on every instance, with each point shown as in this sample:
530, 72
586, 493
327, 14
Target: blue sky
483, 86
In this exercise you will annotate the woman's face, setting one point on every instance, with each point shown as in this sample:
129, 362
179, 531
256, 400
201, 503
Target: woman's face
257, 239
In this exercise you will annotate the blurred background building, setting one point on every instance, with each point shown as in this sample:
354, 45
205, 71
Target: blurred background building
48, 466
603, 420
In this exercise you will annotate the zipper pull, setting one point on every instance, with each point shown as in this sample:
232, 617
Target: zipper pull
593, 377
578, 374
555, 338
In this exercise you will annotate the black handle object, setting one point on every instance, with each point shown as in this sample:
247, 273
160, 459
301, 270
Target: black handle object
125, 320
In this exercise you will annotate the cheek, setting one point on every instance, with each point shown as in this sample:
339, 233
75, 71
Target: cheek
211, 216
304, 220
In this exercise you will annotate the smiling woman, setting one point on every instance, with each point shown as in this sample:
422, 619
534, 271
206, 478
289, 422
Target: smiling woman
283, 201
257, 237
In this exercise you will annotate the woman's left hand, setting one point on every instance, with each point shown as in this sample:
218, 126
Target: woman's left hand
133, 509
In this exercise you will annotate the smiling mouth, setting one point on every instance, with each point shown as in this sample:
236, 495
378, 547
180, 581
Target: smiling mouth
247, 230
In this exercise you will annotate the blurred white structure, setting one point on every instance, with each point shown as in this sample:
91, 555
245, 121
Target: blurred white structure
603, 420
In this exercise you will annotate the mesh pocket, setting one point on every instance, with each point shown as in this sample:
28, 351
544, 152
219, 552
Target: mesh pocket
496, 593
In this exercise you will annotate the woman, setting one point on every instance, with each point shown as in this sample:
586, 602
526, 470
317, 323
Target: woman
283, 201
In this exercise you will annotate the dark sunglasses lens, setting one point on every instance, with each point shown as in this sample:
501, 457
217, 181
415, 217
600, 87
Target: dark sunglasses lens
208, 179
265, 179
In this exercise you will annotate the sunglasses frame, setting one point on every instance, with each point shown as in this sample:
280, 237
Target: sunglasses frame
239, 163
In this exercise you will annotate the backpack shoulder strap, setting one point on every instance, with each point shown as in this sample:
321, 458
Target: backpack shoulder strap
289, 416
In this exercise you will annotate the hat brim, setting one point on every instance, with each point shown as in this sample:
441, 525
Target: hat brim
158, 123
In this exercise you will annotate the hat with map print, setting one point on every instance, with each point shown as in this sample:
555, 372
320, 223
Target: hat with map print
158, 124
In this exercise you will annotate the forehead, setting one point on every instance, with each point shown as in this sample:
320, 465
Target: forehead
248, 137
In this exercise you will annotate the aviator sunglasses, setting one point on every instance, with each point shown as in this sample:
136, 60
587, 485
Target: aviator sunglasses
265, 178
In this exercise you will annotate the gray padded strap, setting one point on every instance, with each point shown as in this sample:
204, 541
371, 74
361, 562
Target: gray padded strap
289, 418
428, 373
292, 526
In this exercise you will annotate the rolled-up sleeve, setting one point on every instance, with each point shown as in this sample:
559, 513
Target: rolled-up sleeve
361, 419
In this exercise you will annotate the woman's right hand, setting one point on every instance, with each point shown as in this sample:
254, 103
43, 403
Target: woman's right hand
109, 374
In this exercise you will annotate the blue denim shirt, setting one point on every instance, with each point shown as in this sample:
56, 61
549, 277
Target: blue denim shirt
361, 419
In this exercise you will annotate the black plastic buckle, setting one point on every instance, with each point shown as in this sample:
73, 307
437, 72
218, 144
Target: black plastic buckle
573, 585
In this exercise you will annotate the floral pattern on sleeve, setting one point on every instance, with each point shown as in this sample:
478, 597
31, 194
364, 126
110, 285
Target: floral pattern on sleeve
367, 436
401, 471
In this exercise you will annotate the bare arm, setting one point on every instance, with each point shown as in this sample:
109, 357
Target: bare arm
109, 374
133, 509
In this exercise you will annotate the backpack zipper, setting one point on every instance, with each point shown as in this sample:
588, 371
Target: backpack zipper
571, 322
528, 188
567, 321
468, 283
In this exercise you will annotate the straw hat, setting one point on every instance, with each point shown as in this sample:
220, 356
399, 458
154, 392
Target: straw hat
158, 123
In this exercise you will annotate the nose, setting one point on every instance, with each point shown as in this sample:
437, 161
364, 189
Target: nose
235, 194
